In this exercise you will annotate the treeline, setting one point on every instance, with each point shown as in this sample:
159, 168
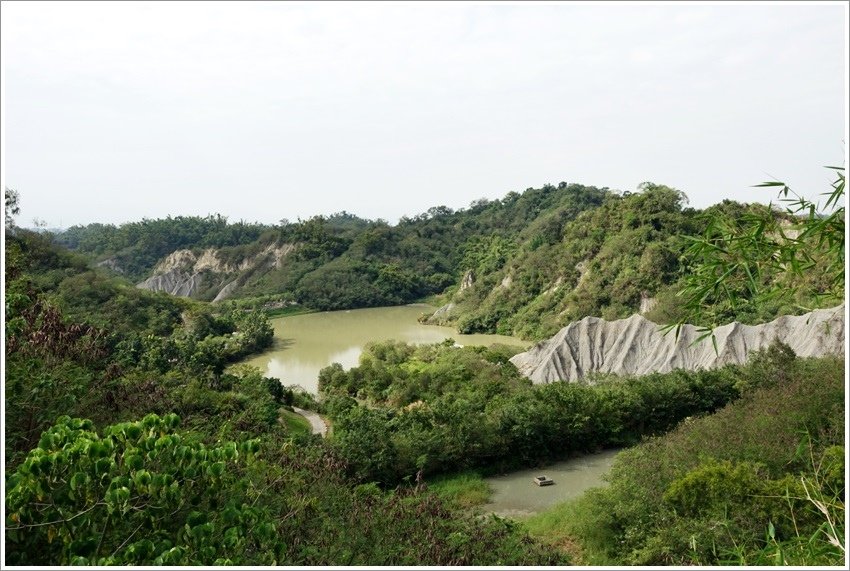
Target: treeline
127, 443
135, 247
440, 408
343, 262
339, 261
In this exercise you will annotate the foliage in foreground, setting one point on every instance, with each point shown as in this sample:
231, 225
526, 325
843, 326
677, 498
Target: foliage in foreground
744, 264
759, 482
144, 493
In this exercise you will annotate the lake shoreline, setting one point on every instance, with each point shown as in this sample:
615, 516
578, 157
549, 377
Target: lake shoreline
306, 342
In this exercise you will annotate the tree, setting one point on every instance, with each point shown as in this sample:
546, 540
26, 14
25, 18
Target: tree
12, 206
768, 256
140, 493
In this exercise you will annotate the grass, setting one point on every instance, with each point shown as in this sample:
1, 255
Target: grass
569, 526
295, 423
465, 489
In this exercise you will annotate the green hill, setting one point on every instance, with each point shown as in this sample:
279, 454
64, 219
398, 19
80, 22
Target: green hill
525, 265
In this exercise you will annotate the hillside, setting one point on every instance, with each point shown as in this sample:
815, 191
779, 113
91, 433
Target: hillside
327, 262
526, 265
119, 410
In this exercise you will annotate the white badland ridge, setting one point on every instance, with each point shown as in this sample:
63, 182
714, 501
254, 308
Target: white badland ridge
184, 273
637, 346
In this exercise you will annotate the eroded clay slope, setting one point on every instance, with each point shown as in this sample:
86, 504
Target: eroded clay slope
637, 346
187, 274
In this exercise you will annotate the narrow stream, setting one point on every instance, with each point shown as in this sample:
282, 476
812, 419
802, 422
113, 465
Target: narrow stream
516, 495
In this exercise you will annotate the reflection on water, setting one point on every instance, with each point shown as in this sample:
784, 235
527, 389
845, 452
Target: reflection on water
516, 495
305, 344
347, 358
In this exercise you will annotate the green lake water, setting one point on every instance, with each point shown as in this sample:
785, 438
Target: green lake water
305, 344
516, 495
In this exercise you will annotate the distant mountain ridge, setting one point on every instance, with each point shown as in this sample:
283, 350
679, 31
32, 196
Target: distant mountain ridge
332, 262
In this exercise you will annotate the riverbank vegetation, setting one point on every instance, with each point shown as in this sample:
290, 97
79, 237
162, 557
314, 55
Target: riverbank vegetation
759, 482
739, 465
438, 408
465, 489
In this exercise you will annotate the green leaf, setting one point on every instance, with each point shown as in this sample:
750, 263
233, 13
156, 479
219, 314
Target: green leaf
196, 518
79, 479
133, 432
134, 462
216, 470
142, 478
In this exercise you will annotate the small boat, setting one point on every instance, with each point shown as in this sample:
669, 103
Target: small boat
543, 481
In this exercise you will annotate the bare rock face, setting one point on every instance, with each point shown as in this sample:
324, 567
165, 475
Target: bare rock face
175, 275
444, 311
111, 264
467, 281
226, 291
187, 274
443, 315
647, 303
636, 346
175, 282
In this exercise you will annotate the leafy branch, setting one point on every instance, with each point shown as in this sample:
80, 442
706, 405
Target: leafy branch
767, 256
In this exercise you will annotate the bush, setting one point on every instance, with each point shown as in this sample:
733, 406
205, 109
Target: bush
720, 481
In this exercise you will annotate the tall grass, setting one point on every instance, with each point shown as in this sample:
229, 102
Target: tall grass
573, 526
465, 490
825, 545
295, 423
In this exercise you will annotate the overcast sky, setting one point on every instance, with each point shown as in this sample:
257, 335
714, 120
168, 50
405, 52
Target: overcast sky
118, 111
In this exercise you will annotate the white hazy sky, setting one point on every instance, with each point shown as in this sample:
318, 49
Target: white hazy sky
261, 111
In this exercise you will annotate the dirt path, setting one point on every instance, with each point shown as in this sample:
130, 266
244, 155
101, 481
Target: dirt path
316, 423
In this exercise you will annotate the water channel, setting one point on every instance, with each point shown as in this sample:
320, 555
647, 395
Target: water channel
516, 495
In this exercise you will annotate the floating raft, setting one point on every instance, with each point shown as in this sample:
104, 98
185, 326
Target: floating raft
543, 481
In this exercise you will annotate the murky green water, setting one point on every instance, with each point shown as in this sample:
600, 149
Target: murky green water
516, 495
305, 344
